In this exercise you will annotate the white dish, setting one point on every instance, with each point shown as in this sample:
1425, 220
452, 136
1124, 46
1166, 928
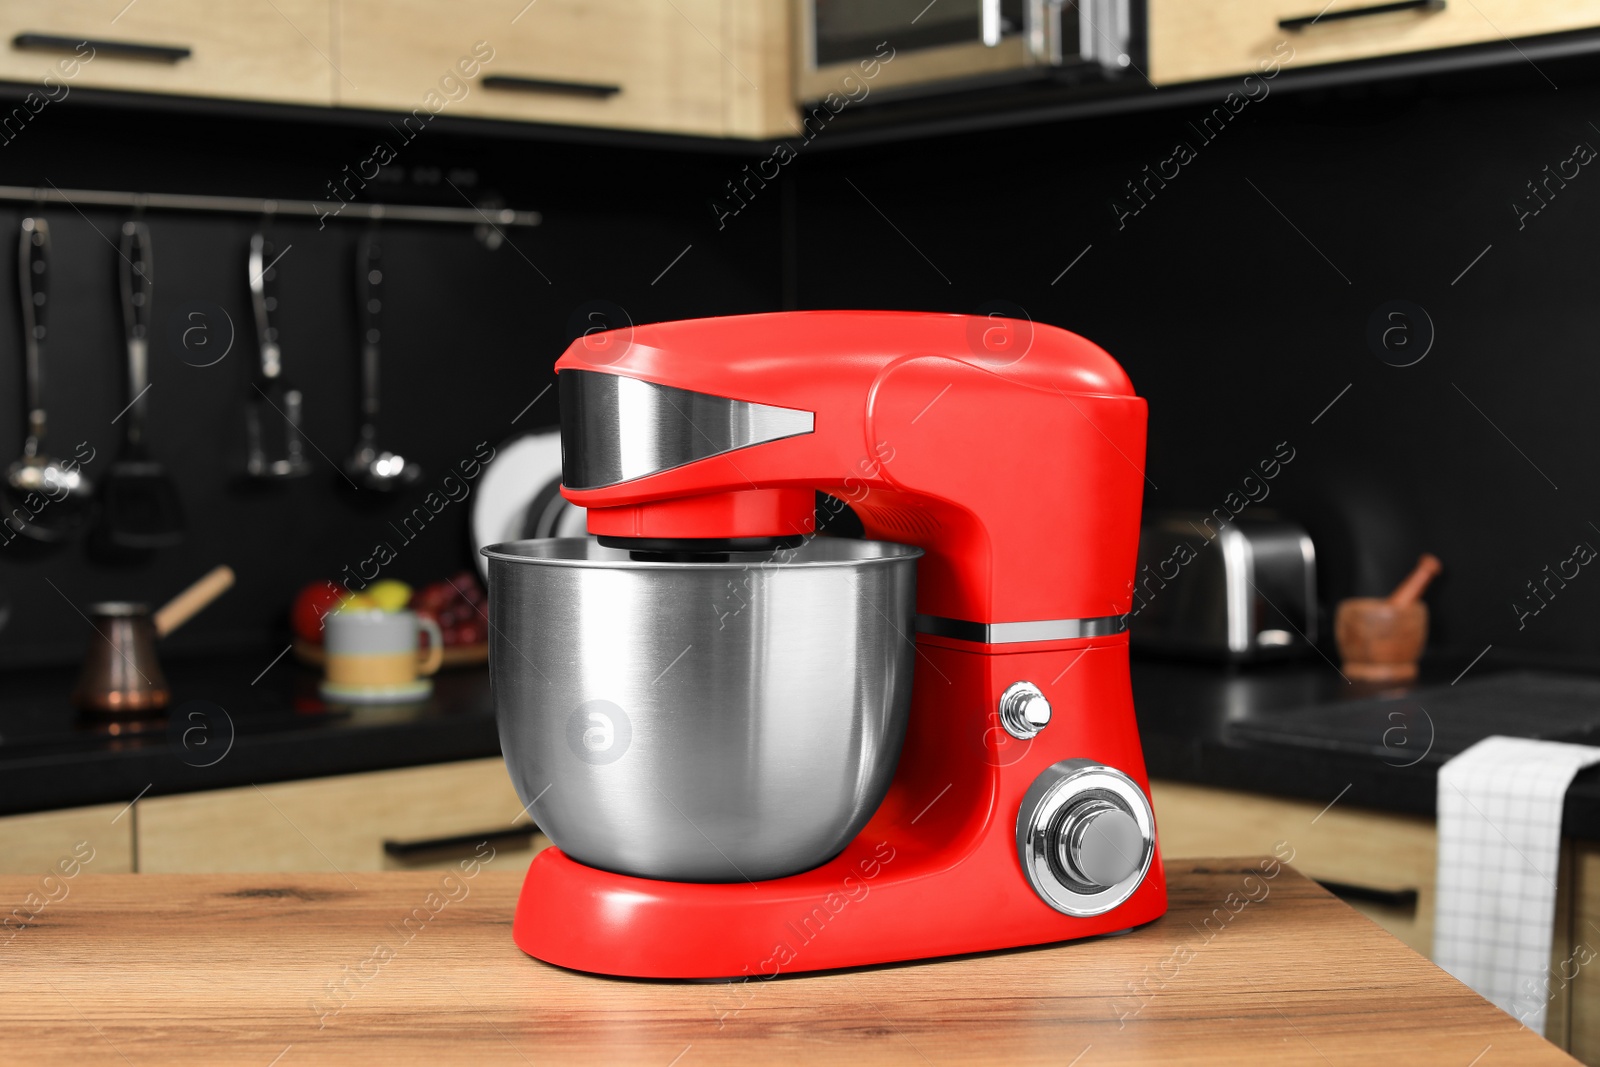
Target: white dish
526, 471
405, 693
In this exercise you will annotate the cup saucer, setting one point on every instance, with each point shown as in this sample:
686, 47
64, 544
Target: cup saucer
404, 693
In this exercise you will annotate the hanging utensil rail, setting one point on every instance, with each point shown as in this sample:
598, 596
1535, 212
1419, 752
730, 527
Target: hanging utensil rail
246, 205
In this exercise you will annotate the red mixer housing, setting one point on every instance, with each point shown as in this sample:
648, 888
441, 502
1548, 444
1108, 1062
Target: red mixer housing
1013, 454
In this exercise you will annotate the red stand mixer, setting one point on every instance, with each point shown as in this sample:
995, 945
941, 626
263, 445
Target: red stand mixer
998, 800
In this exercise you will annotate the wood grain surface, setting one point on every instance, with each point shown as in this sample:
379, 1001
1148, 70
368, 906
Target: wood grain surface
402, 968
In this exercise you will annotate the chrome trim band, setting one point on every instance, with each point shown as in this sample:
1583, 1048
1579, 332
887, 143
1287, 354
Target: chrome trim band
1011, 633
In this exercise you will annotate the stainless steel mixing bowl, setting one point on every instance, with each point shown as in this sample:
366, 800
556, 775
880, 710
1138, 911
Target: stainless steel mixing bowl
702, 721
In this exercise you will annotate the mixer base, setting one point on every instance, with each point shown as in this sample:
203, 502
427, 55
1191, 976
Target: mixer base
873, 904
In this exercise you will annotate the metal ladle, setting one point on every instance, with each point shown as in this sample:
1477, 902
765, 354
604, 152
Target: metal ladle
37, 472
370, 466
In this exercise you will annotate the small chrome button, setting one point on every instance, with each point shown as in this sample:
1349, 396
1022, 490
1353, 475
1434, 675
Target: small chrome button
1024, 711
1085, 837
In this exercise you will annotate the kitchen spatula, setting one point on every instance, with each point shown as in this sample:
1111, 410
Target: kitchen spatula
140, 506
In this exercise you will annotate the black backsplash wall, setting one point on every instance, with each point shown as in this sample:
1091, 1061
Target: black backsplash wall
469, 338
1238, 299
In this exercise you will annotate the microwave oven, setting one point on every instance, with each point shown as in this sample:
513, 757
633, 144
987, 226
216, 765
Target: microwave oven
945, 45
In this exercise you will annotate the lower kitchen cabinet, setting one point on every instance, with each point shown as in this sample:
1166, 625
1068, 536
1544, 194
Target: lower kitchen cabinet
1577, 972
97, 840
416, 818
1383, 865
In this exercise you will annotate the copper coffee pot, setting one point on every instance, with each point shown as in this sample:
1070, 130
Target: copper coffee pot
121, 675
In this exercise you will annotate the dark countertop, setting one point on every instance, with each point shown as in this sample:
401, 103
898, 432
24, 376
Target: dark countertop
1189, 712
234, 720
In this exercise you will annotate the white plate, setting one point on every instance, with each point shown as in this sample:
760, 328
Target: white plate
377, 694
521, 471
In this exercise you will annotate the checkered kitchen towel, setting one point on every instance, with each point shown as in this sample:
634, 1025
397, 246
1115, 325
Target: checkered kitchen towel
1499, 850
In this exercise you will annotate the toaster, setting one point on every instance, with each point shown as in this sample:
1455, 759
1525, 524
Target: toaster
1240, 591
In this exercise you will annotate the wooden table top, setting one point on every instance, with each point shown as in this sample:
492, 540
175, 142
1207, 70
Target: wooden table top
289, 969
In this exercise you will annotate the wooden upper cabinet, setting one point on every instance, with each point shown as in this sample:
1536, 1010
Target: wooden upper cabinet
277, 50
1191, 40
759, 71
640, 64
717, 68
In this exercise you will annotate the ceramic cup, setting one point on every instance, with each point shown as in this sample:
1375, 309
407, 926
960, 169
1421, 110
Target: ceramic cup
378, 649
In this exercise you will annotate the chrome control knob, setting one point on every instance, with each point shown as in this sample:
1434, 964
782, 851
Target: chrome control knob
1024, 711
1085, 836
1099, 842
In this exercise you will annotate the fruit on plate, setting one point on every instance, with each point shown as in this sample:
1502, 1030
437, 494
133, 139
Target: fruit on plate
310, 605
460, 607
458, 604
390, 594
357, 602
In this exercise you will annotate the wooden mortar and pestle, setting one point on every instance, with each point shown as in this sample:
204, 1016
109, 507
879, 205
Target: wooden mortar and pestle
121, 675
1381, 639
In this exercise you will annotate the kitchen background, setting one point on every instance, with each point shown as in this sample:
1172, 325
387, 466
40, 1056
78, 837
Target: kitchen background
1245, 283
1238, 299
469, 334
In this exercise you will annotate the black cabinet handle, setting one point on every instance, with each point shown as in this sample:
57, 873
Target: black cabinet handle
1300, 22
546, 85
406, 849
1389, 898
155, 53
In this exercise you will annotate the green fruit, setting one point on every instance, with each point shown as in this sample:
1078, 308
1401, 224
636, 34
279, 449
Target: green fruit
390, 594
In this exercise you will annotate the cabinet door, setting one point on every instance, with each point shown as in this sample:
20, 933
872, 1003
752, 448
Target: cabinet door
759, 75
640, 64
429, 817
277, 50
40, 842
1192, 41
1383, 855
1581, 968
